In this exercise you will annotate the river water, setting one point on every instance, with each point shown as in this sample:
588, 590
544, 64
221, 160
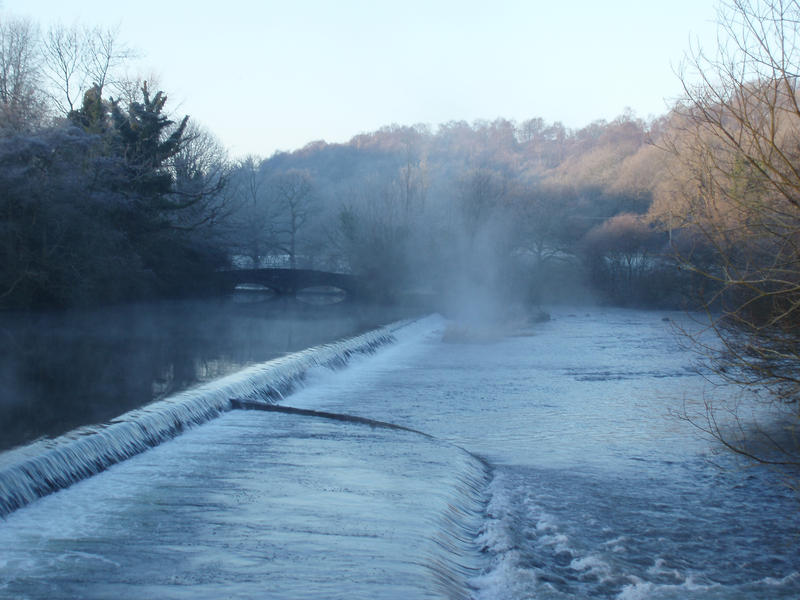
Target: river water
61, 370
541, 461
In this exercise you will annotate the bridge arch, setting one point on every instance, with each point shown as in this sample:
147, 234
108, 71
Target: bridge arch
289, 282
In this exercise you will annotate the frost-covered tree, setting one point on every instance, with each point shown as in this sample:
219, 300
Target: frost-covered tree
22, 106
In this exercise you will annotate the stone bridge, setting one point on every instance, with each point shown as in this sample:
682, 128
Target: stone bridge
287, 282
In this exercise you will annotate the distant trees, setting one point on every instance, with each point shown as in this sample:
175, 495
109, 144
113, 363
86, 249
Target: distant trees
274, 212
480, 192
21, 97
485, 203
543, 237
373, 234
621, 254
292, 198
382, 231
202, 173
491, 203
250, 228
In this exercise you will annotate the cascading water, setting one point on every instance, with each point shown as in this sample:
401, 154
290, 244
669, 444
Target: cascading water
586, 488
310, 504
260, 505
41, 468
599, 491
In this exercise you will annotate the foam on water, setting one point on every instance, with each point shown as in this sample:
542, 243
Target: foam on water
646, 590
534, 554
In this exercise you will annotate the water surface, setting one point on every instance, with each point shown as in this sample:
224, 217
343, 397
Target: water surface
61, 370
599, 490
550, 465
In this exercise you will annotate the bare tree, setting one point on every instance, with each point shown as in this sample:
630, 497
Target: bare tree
21, 103
252, 222
620, 253
202, 170
105, 54
64, 54
413, 177
373, 234
293, 201
128, 87
77, 58
739, 140
480, 192
540, 218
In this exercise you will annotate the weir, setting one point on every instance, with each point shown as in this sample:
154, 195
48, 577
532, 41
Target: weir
40, 468
363, 487
260, 504
265, 501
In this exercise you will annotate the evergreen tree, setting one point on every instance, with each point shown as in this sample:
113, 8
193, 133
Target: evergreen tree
147, 140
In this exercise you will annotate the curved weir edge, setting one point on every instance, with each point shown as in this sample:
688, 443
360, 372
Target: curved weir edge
455, 557
46, 466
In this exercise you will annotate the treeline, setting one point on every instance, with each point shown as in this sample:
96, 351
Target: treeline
103, 196
528, 211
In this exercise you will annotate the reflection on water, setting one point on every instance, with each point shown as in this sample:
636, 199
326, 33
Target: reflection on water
66, 369
321, 295
247, 293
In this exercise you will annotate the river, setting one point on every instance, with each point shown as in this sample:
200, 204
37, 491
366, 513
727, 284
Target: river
63, 369
540, 461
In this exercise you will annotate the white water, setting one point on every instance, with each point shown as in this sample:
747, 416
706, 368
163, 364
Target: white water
38, 469
257, 505
597, 492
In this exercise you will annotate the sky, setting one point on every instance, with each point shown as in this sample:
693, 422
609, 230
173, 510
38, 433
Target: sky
268, 76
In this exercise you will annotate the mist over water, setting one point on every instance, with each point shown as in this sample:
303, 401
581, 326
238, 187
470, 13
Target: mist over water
60, 370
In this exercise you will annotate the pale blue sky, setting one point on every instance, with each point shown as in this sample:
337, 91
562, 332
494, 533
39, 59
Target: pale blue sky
266, 76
